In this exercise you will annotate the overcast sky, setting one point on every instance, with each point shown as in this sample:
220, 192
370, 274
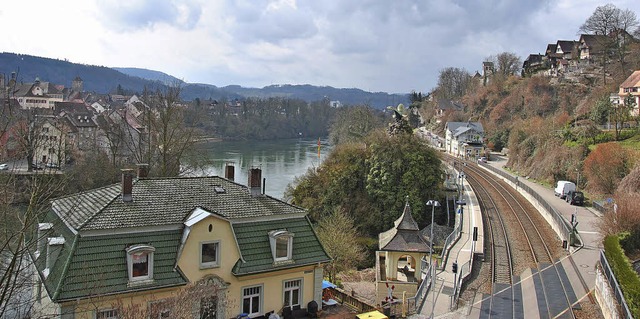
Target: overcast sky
393, 46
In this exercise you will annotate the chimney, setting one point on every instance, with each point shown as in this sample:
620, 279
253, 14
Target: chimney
127, 185
255, 176
229, 172
143, 170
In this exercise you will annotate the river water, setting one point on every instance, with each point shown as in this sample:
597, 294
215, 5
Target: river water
280, 160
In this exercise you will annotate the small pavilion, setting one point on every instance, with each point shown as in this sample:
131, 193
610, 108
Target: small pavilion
398, 265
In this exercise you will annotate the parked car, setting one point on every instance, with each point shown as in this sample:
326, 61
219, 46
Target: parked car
53, 165
575, 198
37, 166
482, 159
4, 167
563, 188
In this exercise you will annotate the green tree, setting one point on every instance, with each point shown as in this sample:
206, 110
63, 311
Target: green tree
370, 181
600, 111
400, 166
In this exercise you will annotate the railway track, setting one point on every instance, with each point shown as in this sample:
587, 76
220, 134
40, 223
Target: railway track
518, 244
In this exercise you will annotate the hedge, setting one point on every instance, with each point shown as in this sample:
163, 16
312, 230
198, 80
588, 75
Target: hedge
622, 269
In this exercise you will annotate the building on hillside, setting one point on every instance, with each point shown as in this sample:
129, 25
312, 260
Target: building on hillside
185, 247
630, 92
592, 46
40, 95
487, 71
464, 139
400, 259
445, 106
532, 64
567, 49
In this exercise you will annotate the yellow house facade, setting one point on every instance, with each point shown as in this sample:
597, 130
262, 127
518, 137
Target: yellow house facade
202, 247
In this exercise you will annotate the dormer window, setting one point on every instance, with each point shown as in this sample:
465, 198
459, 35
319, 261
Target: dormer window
281, 245
140, 263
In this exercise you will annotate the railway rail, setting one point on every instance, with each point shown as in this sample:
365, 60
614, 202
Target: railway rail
518, 243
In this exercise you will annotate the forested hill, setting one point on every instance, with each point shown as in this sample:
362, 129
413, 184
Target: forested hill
103, 79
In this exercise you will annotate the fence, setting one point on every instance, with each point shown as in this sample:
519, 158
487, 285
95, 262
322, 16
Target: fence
613, 283
353, 302
563, 227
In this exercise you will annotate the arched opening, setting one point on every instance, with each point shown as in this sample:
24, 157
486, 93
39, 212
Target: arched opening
406, 268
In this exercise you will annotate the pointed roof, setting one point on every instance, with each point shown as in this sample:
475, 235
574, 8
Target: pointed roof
404, 236
406, 220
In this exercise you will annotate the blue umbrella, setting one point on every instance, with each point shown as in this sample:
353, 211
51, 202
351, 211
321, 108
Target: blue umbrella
326, 284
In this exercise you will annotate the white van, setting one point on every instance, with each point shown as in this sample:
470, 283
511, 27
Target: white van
564, 187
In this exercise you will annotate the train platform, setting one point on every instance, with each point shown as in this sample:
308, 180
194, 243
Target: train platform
580, 262
439, 300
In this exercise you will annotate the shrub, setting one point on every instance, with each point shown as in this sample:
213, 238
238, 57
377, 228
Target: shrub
626, 276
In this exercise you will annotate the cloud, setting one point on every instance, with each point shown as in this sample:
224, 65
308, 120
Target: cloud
270, 21
133, 15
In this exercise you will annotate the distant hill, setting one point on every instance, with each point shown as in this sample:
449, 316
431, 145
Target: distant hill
103, 79
150, 75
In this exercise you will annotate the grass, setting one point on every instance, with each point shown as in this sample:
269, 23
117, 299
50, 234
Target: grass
632, 143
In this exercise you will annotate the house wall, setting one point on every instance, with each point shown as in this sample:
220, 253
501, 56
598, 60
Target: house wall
272, 283
52, 139
135, 305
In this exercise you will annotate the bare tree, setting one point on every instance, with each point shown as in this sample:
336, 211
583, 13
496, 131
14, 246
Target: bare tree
616, 26
23, 201
170, 139
453, 83
507, 63
338, 235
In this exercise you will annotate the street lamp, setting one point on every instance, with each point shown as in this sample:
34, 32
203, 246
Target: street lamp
577, 180
433, 204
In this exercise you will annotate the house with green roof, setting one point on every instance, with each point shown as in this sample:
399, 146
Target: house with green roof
201, 247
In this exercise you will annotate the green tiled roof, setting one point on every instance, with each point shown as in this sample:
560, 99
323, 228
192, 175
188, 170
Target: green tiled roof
165, 201
253, 240
98, 265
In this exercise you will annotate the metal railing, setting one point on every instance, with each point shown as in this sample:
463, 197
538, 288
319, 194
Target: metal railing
613, 283
465, 271
414, 304
451, 239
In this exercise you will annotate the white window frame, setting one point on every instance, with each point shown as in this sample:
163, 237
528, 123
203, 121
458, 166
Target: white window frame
149, 250
274, 235
293, 284
251, 296
113, 315
211, 264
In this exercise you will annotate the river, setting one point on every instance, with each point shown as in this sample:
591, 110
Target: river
280, 160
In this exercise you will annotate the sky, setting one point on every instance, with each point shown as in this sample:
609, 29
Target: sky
394, 46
